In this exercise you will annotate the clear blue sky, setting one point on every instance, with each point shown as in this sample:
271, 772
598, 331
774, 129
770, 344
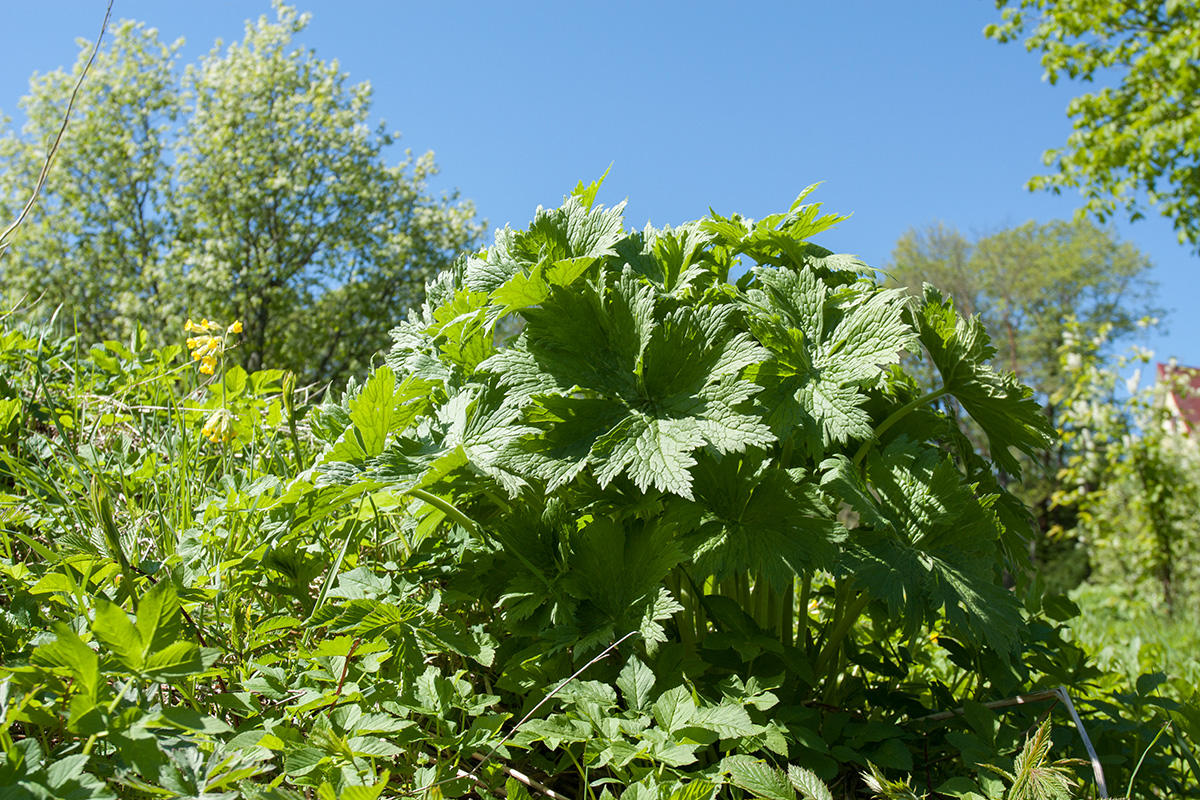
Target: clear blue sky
903, 109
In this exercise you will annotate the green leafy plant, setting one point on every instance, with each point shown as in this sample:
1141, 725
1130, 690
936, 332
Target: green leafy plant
1034, 777
702, 459
694, 532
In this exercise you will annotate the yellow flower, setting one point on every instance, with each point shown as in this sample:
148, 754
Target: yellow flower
219, 427
204, 327
205, 345
209, 344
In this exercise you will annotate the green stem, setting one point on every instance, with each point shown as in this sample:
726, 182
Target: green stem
699, 619
352, 528
448, 509
1146, 752
462, 519
504, 506
687, 617
774, 616
87, 747
729, 588
295, 437
805, 591
895, 417
762, 602
834, 642
787, 619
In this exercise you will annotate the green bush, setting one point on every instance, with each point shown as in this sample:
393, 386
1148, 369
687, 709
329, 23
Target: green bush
692, 532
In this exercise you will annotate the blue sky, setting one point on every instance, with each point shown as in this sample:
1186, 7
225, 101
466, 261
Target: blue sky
903, 110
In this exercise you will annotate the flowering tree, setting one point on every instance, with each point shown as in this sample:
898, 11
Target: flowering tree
251, 187
1134, 472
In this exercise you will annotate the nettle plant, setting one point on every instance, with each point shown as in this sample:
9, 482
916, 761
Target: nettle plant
708, 435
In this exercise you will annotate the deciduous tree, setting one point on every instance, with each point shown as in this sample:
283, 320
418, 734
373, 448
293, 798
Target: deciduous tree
250, 187
100, 240
1025, 284
1136, 141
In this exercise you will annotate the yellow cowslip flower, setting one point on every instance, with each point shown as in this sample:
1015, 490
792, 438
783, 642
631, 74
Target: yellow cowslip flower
204, 327
209, 344
219, 427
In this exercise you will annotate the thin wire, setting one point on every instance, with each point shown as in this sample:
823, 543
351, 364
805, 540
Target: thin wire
37, 189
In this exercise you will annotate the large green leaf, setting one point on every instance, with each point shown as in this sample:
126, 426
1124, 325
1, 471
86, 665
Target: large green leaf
70, 652
757, 520
760, 779
617, 568
1003, 407
603, 364
829, 348
159, 617
636, 681
113, 629
929, 546
371, 410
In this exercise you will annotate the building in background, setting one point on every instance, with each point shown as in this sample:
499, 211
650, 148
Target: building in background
1182, 396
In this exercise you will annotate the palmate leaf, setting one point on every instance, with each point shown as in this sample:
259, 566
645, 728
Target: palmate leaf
436, 343
523, 289
609, 388
673, 259
777, 239
461, 330
576, 230
591, 337
151, 646
469, 433
927, 544
829, 346
759, 521
1003, 407
619, 567
1034, 776
358, 428
654, 451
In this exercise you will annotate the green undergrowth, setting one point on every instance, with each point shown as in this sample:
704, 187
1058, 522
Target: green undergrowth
637, 514
1129, 634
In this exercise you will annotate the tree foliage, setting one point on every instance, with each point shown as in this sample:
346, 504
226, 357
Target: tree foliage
1135, 139
1134, 473
249, 187
99, 240
1026, 283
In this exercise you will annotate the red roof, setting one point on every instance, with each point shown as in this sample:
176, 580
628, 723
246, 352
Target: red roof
1185, 392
